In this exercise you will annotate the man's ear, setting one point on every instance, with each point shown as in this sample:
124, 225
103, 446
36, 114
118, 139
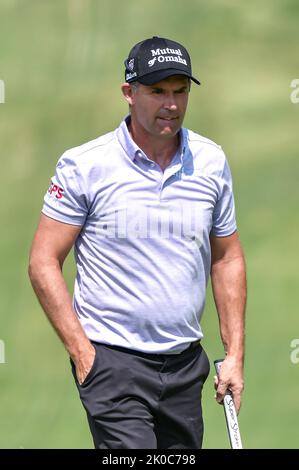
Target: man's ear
128, 93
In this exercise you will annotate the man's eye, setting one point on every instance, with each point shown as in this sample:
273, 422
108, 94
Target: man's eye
157, 91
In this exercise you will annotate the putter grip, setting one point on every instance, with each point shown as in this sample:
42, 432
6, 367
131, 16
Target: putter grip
230, 414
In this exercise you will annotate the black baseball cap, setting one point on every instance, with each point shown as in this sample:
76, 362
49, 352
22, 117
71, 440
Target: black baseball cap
155, 59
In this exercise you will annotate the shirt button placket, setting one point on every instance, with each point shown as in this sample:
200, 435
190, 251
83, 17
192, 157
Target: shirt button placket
160, 188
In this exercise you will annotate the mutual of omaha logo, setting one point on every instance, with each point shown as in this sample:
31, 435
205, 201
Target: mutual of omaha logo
166, 55
152, 61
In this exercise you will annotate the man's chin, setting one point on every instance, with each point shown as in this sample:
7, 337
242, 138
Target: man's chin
169, 132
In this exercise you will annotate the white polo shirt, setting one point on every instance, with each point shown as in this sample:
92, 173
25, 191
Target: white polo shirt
143, 255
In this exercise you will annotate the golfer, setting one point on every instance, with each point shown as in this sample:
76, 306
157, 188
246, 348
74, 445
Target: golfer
149, 209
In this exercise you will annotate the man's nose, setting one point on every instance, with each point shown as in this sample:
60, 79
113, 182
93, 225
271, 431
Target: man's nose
170, 103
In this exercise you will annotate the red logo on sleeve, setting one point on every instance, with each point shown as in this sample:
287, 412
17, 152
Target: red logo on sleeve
56, 190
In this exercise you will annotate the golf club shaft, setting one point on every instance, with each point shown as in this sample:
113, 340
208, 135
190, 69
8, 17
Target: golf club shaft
230, 415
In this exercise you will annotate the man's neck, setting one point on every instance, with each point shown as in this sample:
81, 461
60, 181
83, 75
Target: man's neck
160, 150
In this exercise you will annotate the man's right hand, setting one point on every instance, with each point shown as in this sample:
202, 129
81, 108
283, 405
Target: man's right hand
84, 363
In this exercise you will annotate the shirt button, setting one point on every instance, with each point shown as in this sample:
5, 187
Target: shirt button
152, 165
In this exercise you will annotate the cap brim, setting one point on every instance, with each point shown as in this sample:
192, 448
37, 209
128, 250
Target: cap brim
155, 77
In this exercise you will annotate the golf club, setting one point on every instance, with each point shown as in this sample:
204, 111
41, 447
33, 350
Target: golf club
230, 414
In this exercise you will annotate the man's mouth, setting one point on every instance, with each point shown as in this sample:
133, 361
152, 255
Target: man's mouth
168, 118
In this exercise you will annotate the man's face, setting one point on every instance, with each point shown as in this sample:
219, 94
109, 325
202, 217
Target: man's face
159, 109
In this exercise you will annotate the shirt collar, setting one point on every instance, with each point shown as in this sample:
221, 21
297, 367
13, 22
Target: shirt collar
131, 148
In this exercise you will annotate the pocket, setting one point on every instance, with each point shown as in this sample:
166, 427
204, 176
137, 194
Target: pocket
205, 364
90, 374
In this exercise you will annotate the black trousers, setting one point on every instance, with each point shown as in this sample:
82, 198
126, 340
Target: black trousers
136, 400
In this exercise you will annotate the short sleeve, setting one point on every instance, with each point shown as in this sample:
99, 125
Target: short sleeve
224, 219
65, 199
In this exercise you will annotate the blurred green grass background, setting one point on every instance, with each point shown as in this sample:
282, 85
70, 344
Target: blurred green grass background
62, 64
